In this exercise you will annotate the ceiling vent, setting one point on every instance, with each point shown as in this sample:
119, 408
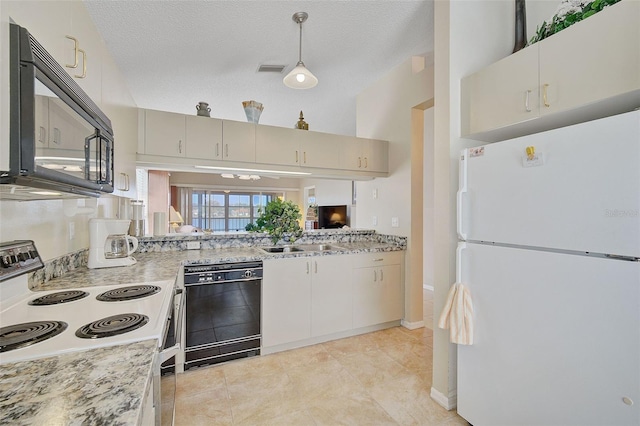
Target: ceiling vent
271, 68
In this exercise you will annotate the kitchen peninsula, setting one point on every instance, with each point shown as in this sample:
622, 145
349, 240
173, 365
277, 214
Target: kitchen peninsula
87, 386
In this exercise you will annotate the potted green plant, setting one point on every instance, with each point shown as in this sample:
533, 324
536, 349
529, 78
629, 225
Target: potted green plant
280, 219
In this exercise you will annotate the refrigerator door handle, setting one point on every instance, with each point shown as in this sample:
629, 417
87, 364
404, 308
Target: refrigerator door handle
459, 250
462, 185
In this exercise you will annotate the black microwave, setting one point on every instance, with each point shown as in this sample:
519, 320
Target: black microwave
60, 142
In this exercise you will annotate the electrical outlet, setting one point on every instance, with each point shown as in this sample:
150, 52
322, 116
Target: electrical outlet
193, 245
375, 194
72, 230
394, 222
374, 220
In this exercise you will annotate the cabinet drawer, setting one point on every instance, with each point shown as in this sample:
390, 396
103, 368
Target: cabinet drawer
366, 260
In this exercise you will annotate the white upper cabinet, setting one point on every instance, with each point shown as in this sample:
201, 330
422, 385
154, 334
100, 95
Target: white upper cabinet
164, 133
587, 71
85, 52
368, 155
239, 141
503, 93
320, 150
595, 59
203, 138
278, 145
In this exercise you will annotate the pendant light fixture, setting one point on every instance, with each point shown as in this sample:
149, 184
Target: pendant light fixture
300, 77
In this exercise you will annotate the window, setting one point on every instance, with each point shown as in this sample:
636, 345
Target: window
220, 211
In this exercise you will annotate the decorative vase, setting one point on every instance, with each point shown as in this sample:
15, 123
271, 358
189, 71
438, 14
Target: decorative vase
253, 110
301, 124
203, 109
521, 25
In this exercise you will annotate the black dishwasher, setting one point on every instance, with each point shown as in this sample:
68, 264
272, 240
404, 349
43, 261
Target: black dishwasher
222, 312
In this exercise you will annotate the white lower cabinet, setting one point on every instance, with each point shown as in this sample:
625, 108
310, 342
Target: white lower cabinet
311, 298
286, 301
377, 290
305, 297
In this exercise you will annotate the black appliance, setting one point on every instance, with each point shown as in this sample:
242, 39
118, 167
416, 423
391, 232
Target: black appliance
222, 312
59, 139
333, 216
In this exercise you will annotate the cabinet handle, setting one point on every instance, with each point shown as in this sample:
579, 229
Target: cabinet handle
307, 268
296, 156
375, 276
526, 101
226, 150
84, 64
378, 259
56, 136
180, 146
544, 95
366, 163
315, 267
217, 149
359, 162
75, 48
304, 157
381, 275
128, 182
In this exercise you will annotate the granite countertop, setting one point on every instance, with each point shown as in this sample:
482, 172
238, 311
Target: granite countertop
165, 265
99, 386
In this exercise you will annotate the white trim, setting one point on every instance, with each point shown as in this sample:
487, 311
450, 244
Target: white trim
428, 287
449, 403
412, 325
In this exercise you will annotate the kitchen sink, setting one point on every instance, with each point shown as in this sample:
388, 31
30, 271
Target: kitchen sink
319, 247
283, 249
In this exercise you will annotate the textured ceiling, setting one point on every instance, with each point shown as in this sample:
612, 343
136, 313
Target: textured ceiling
174, 54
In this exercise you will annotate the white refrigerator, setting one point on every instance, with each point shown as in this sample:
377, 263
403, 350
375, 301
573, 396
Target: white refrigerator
549, 229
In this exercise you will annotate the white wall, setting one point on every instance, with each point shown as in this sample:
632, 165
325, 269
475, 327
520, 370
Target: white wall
469, 34
384, 111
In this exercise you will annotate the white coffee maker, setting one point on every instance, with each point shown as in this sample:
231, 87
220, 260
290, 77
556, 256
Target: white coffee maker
109, 244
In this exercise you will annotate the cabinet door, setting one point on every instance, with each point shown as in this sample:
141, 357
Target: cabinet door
119, 106
203, 137
606, 66
88, 73
377, 295
331, 294
351, 153
501, 94
321, 150
278, 145
286, 301
376, 155
164, 133
239, 141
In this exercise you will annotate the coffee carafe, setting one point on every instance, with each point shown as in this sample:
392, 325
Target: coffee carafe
109, 244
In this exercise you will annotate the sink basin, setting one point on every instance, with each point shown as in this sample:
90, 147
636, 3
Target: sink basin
319, 247
284, 249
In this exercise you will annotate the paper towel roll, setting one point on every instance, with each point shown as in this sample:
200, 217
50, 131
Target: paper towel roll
160, 223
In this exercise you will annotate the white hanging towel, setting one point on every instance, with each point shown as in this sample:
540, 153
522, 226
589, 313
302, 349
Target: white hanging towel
457, 315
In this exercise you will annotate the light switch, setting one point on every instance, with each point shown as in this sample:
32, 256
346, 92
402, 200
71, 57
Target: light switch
375, 193
394, 222
374, 220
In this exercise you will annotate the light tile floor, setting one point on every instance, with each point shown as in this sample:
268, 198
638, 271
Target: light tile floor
379, 378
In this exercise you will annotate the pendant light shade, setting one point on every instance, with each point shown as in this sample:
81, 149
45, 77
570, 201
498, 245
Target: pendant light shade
300, 77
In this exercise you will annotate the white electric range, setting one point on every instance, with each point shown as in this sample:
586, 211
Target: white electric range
80, 319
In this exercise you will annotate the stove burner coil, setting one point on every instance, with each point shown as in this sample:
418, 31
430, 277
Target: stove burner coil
128, 293
112, 326
59, 297
20, 335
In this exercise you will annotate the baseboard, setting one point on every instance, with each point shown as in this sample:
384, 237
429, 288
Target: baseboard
428, 287
412, 325
449, 403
